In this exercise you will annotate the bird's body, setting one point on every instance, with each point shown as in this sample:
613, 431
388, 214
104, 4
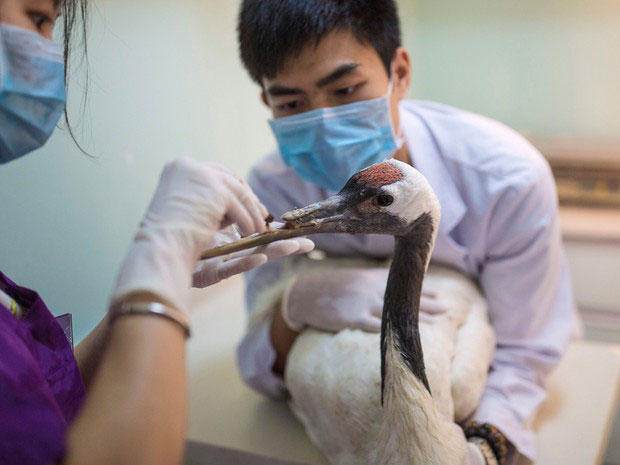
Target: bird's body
335, 378
392, 398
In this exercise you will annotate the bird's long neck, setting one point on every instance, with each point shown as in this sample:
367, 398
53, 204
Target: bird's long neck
411, 430
402, 299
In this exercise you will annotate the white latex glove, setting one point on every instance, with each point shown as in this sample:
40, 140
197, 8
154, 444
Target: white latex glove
340, 298
193, 200
214, 270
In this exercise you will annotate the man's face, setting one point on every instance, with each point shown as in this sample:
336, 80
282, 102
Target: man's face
35, 15
336, 71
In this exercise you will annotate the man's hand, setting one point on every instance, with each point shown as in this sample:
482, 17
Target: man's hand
335, 299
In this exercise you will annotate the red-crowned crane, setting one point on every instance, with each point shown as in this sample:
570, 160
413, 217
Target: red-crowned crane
333, 381
365, 398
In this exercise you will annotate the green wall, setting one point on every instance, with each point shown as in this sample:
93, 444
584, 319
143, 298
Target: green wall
165, 81
549, 68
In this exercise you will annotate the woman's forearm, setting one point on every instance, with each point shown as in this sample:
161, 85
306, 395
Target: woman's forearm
136, 408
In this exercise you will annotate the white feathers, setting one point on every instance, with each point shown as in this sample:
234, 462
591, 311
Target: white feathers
412, 430
413, 195
335, 384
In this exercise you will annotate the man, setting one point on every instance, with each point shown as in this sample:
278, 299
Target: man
334, 75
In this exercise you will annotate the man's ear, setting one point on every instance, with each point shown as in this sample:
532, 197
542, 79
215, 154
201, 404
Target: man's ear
401, 67
263, 97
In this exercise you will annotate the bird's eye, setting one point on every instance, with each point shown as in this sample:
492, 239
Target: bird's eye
384, 200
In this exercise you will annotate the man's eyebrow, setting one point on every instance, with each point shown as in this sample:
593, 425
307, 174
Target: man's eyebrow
339, 72
277, 90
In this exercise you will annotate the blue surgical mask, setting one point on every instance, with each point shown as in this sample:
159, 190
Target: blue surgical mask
32, 90
329, 145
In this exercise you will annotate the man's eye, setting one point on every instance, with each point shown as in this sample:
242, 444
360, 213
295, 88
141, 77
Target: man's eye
347, 90
288, 106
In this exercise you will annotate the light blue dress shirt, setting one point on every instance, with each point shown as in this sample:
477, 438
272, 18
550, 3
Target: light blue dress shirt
499, 224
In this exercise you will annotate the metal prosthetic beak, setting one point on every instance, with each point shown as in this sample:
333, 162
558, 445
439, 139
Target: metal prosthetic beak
326, 216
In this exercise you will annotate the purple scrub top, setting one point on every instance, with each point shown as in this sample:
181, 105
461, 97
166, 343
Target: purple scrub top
41, 390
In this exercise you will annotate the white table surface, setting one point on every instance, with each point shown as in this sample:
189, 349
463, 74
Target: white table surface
573, 425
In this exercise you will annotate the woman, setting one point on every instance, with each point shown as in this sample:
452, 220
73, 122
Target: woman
122, 397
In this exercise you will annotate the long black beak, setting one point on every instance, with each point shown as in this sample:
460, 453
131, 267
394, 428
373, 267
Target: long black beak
326, 216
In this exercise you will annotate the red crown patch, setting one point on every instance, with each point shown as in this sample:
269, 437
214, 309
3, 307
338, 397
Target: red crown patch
379, 175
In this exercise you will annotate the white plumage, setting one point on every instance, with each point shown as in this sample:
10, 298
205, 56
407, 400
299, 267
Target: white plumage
335, 380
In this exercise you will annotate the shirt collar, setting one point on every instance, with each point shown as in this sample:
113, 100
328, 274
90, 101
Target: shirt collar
427, 158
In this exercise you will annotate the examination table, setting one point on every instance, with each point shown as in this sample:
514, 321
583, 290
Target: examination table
230, 424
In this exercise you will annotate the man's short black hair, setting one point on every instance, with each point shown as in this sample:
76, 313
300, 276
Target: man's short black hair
271, 31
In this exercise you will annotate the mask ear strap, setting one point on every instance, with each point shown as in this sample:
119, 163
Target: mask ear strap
390, 86
400, 140
398, 134
391, 81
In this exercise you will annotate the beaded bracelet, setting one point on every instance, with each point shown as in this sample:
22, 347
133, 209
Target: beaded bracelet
492, 436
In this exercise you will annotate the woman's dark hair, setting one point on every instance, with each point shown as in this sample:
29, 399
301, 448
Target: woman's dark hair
271, 31
74, 14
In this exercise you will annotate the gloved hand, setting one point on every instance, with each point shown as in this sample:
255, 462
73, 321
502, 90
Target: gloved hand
193, 200
214, 270
334, 299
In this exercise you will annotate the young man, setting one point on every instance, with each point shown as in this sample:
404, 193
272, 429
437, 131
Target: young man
334, 74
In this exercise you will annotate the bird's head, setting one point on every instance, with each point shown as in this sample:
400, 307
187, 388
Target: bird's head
385, 198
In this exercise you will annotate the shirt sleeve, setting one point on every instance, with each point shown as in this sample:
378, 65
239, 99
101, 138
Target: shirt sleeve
526, 281
32, 424
255, 353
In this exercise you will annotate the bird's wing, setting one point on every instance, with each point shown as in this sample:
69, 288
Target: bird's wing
474, 349
335, 386
469, 336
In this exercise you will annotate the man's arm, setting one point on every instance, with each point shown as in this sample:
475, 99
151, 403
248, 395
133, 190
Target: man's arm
260, 359
525, 279
282, 338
